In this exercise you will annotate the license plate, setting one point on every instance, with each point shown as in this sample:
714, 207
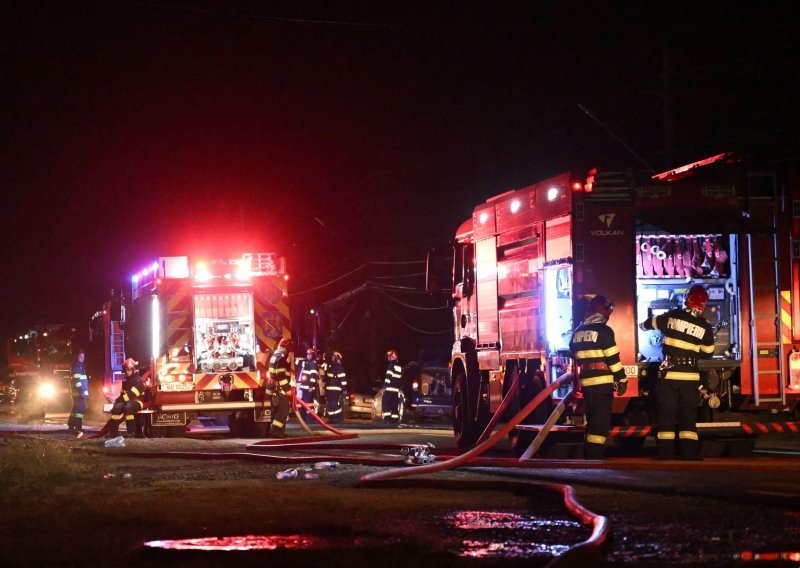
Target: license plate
168, 419
172, 387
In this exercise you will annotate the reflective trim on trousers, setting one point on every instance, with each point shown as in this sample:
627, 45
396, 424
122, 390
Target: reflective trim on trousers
680, 376
392, 389
687, 435
666, 435
595, 439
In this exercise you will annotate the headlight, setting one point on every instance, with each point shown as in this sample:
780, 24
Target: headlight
47, 390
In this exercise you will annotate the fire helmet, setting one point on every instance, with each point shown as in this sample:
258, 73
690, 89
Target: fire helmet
336, 355
391, 354
600, 305
285, 343
696, 298
129, 363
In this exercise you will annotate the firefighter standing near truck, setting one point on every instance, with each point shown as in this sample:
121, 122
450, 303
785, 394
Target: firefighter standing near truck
129, 402
594, 348
279, 385
308, 381
390, 405
79, 389
335, 388
688, 337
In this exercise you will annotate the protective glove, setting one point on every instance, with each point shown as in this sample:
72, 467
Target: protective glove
621, 387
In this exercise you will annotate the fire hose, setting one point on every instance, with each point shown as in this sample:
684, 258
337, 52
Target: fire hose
601, 528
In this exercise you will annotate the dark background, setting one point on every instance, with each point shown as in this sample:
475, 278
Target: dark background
345, 133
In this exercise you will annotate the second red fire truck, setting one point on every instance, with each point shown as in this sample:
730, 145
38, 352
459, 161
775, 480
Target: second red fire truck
528, 260
204, 329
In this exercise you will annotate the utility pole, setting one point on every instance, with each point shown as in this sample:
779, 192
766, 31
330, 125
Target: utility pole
668, 98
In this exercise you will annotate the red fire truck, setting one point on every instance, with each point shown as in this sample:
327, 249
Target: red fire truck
39, 364
205, 330
528, 259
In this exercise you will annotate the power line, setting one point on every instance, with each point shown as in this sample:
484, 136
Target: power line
411, 305
411, 327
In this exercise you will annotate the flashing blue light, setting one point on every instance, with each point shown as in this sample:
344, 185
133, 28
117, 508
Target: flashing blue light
135, 278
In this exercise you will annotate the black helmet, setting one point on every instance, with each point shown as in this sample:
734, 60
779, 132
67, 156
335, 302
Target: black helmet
600, 305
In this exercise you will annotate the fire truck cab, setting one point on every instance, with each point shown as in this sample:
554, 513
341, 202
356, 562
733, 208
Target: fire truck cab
529, 259
200, 327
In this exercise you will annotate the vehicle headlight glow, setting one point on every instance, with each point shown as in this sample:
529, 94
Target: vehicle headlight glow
47, 390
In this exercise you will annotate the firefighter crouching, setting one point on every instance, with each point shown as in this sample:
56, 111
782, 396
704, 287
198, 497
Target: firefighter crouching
600, 371
335, 388
688, 337
279, 385
390, 405
129, 402
79, 389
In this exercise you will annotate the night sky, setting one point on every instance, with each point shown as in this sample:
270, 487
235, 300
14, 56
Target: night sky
341, 132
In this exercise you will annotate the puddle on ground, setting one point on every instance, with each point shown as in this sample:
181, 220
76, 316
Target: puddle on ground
248, 542
507, 535
472, 534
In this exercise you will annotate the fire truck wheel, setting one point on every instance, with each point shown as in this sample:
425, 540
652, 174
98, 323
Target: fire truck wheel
235, 425
465, 429
256, 429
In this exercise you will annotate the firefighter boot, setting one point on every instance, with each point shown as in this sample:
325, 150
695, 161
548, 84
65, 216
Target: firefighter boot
665, 446
130, 425
113, 427
593, 451
277, 430
688, 448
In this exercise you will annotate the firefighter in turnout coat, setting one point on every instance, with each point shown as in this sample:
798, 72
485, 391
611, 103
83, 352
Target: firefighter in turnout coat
279, 385
309, 377
688, 337
390, 404
335, 388
79, 389
600, 371
129, 402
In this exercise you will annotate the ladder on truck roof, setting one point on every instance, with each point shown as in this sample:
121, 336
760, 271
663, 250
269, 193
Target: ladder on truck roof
766, 342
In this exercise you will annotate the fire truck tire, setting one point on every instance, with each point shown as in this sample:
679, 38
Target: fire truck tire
235, 426
167, 431
465, 428
256, 429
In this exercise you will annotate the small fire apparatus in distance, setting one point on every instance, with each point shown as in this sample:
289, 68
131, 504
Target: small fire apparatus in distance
207, 329
39, 370
528, 260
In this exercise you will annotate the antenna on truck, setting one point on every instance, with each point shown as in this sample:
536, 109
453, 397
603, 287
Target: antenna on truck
615, 137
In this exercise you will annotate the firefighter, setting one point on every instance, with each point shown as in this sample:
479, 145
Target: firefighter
688, 337
129, 402
279, 385
390, 405
79, 389
601, 374
308, 381
336, 388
